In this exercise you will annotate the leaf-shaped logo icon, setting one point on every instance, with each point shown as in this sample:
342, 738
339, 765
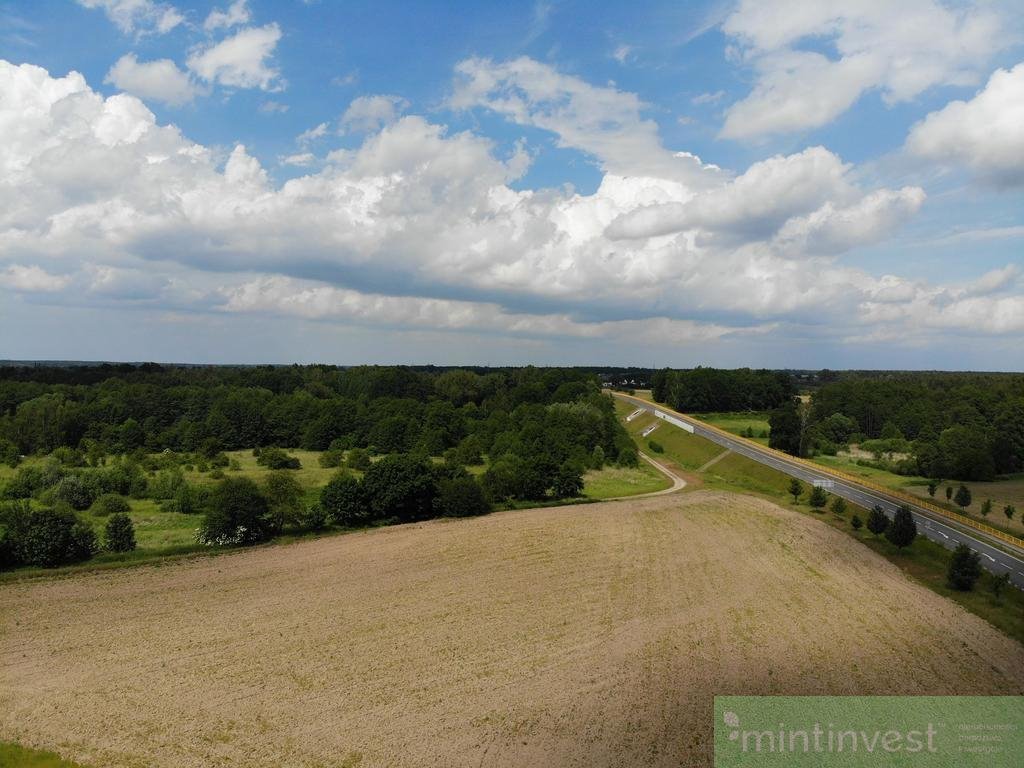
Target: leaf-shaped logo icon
731, 719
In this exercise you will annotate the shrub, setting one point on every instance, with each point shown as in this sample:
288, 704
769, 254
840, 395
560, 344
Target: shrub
9, 454
796, 489
655, 446
275, 458
501, 479
358, 458
188, 500
401, 487
110, 504
220, 460
217, 474
856, 523
238, 514
47, 537
331, 458
74, 492
998, 584
461, 497
313, 517
343, 501
964, 569
568, 481
839, 505
628, 458
166, 484
469, 452
284, 497
119, 534
818, 497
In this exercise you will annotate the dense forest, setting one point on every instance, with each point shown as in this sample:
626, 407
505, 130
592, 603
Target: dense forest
708, 390
111, 433
961, 426
958, 426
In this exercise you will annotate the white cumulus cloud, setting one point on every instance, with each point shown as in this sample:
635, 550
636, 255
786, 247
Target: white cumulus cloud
899, 50
240, 61
235, 14
371, 113
140, 16
985, 134
159, 80
428, 226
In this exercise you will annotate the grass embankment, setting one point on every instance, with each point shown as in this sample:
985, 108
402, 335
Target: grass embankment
925, 561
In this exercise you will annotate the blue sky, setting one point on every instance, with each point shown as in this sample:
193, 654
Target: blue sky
503, 182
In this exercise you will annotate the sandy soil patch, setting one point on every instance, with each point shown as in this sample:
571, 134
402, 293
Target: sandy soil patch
592, 635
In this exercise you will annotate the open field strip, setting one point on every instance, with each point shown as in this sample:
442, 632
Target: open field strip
581, 635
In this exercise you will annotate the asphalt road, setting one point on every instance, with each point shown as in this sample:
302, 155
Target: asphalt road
993, 559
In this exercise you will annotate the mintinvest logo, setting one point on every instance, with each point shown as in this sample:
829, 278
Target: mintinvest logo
884, 731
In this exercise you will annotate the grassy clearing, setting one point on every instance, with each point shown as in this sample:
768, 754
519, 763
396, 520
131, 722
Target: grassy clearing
15, 756
310, 475
739, 423
612, 482
849, 465
1001, 492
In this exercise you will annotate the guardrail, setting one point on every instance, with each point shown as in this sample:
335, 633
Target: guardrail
953, 517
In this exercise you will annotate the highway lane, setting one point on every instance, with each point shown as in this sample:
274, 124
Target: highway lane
993, 558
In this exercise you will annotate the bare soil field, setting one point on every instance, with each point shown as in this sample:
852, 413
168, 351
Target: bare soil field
591, 635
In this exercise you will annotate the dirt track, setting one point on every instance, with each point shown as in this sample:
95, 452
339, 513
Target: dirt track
583, 636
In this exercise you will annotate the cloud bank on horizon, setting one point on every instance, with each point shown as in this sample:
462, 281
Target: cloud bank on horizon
519, 208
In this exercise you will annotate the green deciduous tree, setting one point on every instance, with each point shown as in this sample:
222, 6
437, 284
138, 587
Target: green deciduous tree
963, 497
119, 533
818, 497
839, 505
284, 498
903, 529
964, 569
796, 489
856, 523
461, 497
401, 487
877, 520
344, 502
986, 507
238, 514
568, 481
999, 584
110, 504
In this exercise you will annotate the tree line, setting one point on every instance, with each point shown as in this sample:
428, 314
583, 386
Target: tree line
131, 431
960, 426
707, 390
